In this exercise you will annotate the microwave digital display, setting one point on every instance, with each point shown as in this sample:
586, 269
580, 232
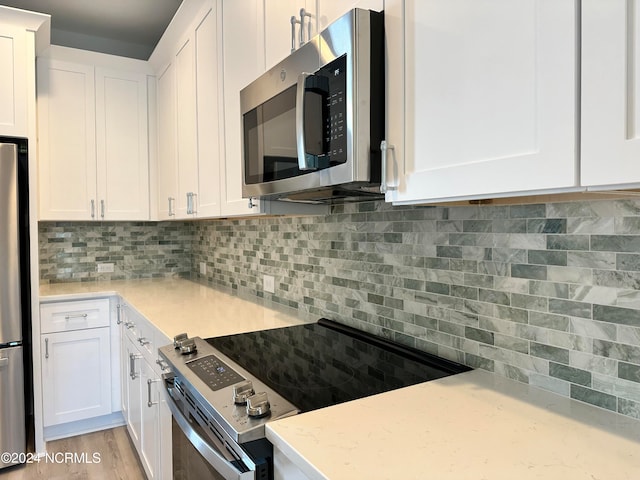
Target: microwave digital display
336, 120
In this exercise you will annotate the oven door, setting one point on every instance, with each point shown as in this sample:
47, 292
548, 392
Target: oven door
196, 455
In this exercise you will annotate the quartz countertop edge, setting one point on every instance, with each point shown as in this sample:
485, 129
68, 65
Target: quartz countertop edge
176, 305
474, 425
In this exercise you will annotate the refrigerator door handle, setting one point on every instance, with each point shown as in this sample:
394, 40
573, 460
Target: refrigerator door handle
46, 348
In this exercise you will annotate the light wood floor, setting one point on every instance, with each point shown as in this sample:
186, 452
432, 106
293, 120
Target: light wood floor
118, 459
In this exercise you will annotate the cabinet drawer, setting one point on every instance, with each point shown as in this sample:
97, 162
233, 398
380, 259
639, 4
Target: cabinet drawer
68, 316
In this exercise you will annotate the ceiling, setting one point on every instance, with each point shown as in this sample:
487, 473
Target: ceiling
129, 28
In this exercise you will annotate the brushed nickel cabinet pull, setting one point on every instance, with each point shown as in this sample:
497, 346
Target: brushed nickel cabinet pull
294, 21
132, 365
149, 402
384, 148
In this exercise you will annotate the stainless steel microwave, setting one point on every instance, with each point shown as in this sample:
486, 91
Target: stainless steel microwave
312, 124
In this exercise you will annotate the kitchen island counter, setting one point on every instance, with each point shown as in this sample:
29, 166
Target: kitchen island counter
475, 425
177, 305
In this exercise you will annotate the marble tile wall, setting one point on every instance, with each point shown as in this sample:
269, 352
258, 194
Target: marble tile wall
547, 294
70, 251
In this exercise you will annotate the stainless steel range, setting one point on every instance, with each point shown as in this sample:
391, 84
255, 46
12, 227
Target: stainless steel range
226, 389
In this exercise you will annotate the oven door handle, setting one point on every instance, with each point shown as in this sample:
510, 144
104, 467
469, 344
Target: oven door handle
210, 454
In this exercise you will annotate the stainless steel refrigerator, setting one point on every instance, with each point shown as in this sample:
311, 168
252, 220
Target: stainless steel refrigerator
13, 248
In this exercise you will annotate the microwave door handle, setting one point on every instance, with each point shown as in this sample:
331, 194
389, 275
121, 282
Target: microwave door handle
303, 164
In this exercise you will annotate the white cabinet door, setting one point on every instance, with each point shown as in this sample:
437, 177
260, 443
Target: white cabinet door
124, 368
330, 10
150, 423
76, 375
210, 116
610, 139
66, 143
134, 420
122, 145
243, 62
167, 144
93, 143
277, 27
189, 111
13, 81
186, 127
146, 413
483, 101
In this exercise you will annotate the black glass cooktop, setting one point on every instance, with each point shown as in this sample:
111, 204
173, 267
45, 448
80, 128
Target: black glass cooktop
325, 363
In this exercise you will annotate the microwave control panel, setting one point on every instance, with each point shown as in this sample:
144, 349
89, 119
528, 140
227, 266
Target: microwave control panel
335, 129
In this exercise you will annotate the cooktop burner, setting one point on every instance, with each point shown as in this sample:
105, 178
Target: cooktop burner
325, 363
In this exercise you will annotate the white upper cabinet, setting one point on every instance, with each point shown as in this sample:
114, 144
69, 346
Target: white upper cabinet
13, 81
330, 10
279, 39
122, 145
278, 35
66, 140
483, 101
167, 144
93, 141
610, 139
187, 154
189, 129
210, 117
243, 62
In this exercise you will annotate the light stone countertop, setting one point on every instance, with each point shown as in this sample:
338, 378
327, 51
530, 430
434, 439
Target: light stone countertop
177, 305
474, 426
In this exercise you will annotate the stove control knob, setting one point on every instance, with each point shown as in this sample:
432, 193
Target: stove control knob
258, 405
178, 339
242, 391
188, 346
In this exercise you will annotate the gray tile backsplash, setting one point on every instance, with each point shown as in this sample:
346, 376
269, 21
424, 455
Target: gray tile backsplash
547, 294
70, 251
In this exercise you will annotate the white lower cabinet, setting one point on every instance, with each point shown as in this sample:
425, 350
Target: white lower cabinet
143, 402
149, 419
131, 393
76, 365
76, 375
285, 469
